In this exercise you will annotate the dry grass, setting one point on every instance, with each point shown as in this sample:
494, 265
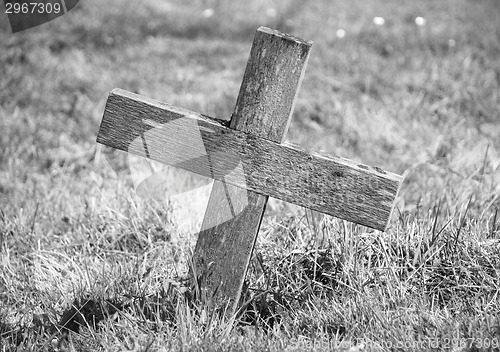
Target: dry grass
87, 263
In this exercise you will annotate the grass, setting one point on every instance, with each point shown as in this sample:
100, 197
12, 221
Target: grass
81, 250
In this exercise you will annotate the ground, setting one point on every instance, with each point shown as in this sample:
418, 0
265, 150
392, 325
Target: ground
417, 93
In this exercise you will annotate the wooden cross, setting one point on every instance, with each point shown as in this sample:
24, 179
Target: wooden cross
248, 161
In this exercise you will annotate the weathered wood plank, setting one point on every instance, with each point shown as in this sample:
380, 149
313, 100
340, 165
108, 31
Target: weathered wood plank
271, 83
185, 139
224, 247
265, 102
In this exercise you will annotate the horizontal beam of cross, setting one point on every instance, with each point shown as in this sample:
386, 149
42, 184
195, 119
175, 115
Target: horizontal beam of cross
197, 143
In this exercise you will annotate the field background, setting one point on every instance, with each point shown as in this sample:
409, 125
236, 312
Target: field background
418, 100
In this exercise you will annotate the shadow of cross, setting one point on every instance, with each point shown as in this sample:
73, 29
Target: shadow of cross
248, 161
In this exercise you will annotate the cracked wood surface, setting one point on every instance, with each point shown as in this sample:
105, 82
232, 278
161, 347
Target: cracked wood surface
185, 139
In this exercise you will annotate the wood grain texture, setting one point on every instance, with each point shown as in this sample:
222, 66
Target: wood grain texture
264, 107
224, 247
182, 138
270, 84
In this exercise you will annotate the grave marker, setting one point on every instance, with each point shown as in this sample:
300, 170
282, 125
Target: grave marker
248, 161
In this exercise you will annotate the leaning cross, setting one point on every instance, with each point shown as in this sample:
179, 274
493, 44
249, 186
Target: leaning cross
248, 161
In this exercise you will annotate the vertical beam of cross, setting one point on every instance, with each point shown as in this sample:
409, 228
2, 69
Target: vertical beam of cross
264, 108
